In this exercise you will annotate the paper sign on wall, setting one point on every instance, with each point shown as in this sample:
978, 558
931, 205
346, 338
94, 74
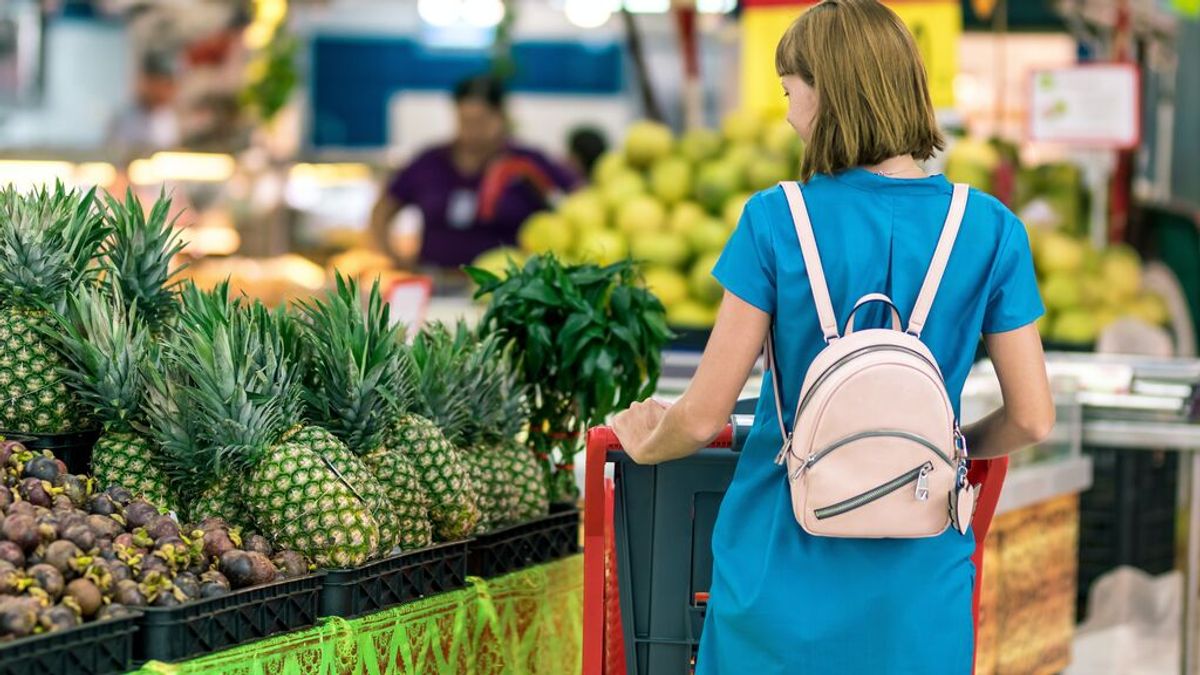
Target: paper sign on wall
1096, 105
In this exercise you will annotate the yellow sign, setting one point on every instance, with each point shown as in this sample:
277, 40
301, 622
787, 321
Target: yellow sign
936, 25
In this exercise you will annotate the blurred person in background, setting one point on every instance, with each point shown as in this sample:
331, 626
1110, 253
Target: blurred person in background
152, 122
474, 191
585, 146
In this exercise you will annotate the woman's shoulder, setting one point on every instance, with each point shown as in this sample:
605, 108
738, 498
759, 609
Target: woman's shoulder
987, 213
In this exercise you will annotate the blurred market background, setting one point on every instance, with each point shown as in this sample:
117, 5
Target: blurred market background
286, 132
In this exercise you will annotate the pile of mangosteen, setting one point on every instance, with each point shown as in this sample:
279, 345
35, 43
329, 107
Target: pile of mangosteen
72, 553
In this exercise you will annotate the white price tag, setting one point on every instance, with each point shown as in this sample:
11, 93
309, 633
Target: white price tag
1093, 105
409, 300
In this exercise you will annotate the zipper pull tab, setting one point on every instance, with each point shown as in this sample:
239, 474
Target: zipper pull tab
783, 452
923, 483
960, 440
802, 468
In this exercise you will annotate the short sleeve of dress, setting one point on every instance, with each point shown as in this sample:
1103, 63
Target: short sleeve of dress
746, 267
1013, 299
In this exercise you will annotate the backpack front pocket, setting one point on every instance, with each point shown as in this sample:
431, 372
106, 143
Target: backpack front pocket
919, 476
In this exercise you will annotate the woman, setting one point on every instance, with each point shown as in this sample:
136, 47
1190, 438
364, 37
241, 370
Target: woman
783, 601
474, 192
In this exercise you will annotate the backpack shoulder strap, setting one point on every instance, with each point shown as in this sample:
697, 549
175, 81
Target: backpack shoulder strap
812, 260
941, 256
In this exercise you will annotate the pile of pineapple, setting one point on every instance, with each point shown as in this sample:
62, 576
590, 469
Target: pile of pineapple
315, 424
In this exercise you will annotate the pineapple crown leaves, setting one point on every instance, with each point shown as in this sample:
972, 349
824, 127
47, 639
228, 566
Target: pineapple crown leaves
175, 426
355, 373
105, 346
448, 401
233, 386
138, 256
50, 242
234, 407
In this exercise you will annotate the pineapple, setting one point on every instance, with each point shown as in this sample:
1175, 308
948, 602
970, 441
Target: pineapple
107, 349
49, 243
528, 474
107, 338
356, 384
440, 409
237, 374
487, 368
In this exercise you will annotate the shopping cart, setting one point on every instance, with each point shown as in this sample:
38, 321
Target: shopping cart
647, 557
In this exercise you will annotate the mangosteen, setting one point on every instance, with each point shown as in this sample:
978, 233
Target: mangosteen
49, 579
213, 584
42, 468
124, 539
119, 494
82, 536
166, 600
119, 571
256, 543
246, 568
152, 565
7, 450
60, 554
214, 523
62, 503
113, 611
217, 543
290, 564
103, 526
87, 595
73, 487
6, 498
128, 592
188, 584
11, 578
23, 509
140, 513
17, 618
21, 530
102, 505
34, 491
162, 526
12, 554
58, 617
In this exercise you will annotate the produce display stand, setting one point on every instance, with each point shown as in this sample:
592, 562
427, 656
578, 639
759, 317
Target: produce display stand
524, 622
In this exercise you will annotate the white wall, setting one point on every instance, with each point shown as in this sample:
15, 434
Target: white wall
87, 79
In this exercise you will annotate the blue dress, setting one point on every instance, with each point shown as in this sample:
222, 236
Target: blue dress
783, 601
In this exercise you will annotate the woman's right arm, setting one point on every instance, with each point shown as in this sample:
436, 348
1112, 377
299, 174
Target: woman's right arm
1027, 416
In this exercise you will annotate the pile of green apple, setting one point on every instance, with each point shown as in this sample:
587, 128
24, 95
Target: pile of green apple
1085, 290
668, 202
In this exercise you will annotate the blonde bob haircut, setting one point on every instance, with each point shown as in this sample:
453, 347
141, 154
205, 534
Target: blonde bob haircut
872, 95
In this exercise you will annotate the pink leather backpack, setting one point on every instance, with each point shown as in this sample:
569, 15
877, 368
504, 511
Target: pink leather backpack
876, 451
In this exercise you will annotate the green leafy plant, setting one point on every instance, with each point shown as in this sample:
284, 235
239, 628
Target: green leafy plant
589, 340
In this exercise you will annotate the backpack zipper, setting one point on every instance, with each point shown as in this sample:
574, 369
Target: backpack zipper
919, 475
814, 458
787, 442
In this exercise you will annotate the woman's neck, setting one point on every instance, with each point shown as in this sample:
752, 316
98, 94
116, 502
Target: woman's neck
472, 161
901, 166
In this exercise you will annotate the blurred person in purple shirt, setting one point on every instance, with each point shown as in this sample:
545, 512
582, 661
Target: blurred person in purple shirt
473, 192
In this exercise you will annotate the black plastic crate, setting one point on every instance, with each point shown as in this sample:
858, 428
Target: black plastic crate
203, 626
1128, 515
96, 648
663, 518
532, 543
75, 450
393, 581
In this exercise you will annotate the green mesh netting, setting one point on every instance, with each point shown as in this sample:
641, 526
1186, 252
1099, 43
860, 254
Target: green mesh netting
529, 622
